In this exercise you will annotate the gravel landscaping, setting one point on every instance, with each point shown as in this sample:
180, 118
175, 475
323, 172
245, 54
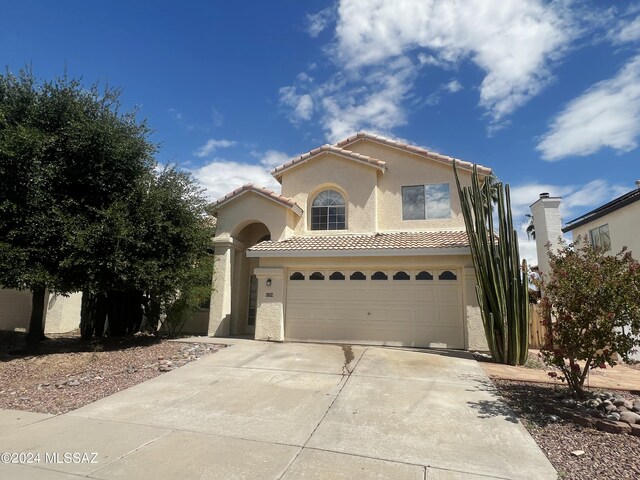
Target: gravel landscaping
66, 373
577, 452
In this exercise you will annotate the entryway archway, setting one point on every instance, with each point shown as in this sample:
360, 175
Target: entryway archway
244, 288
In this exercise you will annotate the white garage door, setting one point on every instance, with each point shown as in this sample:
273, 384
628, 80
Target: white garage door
420, 308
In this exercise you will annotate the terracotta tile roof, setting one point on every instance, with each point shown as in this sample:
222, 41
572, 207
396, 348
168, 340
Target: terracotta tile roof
412, 148
378, 241
265, 192
374, 162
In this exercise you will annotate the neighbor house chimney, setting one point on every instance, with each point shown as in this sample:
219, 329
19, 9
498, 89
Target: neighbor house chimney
548, 225
637, 183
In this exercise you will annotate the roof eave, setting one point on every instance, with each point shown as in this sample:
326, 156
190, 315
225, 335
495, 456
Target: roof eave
620, 202
295, 207
370, 252
437, 157
278, 171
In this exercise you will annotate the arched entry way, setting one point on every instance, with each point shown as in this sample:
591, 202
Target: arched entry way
244, 288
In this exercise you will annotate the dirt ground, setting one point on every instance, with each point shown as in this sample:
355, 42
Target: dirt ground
65, 373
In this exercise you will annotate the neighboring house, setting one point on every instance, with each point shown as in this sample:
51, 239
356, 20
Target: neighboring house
366, 243
613, 225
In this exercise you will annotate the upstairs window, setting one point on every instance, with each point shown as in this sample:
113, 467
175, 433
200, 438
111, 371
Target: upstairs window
328, 211
600, 237
426, 202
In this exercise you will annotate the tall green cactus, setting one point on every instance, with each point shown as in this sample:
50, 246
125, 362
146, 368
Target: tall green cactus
503, 289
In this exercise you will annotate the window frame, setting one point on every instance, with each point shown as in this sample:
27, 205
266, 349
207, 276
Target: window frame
318, 226
599, 232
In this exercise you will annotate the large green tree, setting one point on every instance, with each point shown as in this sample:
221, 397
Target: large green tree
67, 158
155, 241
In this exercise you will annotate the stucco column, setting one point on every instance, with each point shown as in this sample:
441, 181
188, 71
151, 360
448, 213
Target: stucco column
220, 310
476, 339
270, 314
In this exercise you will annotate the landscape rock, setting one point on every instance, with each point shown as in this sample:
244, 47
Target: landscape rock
629, 417
577, 453
613, 426
613, 416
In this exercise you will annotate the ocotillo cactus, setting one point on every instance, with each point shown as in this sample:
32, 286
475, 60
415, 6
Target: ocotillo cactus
503, 288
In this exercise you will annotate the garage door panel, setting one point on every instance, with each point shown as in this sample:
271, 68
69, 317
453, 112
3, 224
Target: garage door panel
389, 312
449, 294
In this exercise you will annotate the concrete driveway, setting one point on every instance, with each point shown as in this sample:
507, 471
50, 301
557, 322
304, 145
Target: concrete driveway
288, 411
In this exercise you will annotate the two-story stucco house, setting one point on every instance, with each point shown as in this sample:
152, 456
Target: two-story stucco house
613, 225
365, 243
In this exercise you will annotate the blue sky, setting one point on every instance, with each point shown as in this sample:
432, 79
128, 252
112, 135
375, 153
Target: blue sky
545, 93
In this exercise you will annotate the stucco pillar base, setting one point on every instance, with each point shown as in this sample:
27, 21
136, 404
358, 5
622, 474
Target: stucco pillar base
476, 339
220, 311
270, 314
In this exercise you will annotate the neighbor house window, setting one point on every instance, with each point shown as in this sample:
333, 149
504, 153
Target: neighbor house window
600, 237
420, 202
328, 211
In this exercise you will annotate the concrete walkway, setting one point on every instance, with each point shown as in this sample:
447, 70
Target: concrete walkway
288, 411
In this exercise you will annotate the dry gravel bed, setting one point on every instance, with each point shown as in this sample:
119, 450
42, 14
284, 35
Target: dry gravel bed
66, 373
607, 456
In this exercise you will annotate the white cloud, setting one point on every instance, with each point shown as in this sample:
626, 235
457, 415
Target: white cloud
576, 200
606, 115
212, 145
217, 118
630, 32
380, 47
453, 86
301, 104
512, 42
375, 106
221, 176
318, 22
271, 158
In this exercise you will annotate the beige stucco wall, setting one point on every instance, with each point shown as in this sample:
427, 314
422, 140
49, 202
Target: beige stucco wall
15, 309
405, 169
63, 313
251, 208
355, 181
198, 323
624, 228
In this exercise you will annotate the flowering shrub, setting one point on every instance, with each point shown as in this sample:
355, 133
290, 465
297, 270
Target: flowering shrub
591, 310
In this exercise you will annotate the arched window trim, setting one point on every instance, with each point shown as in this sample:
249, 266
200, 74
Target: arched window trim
379, 276
297, 276
337, 276
328, 210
